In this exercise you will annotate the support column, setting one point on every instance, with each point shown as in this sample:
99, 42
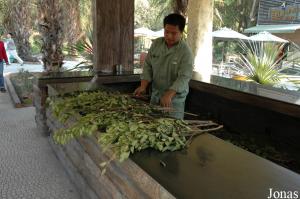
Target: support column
113, 34
200, 23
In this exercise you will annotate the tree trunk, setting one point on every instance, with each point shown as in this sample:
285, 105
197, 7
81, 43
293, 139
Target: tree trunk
199, 38
247, 17
253, 12
18, 21
113, 34
71, 25
50, 26
180, 7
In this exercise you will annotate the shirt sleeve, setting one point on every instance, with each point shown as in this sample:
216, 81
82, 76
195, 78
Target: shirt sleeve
3, 52
5, 55
147, 68
185, 72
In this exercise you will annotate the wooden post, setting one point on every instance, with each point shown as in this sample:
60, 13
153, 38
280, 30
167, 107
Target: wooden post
113, 34
200, 23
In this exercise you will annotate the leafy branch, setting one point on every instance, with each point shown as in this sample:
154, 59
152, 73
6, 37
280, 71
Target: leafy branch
121, 124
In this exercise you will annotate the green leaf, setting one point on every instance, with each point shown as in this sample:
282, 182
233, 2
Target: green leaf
103, 171
124, 156
133, 127
103, 164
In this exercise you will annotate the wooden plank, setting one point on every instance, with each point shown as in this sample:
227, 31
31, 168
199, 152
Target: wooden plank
84, 190
12, 92
113, 34
254, 100
127, 32
121, 180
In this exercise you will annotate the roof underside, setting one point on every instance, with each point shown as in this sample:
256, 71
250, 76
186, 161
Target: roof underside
284, 28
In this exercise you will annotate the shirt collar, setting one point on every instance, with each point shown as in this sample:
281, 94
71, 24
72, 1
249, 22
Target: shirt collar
173, 48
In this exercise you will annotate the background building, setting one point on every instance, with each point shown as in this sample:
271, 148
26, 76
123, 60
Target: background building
281, 18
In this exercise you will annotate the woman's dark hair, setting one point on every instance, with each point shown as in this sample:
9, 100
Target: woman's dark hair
175, 20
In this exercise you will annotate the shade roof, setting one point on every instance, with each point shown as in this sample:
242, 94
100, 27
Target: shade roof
143, 32
228, 34
148, 33
284, 28
159, 33
266, 36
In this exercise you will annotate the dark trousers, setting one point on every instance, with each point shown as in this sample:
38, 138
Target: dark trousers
1, 74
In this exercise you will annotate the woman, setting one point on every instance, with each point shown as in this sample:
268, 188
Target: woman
3, 57
12, 49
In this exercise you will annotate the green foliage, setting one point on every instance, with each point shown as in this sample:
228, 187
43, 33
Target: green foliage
122, 124
228, 2
35, 43
150, 13
294, 53
23, 82
1, 30
85, 7
234, 14
3, 11
223, 48
259, 62
126, 137
83, 48
26, 78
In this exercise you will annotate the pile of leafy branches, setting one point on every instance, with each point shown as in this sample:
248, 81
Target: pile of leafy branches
121, 124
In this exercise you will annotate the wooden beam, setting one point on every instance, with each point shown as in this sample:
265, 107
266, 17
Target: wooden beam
113, 34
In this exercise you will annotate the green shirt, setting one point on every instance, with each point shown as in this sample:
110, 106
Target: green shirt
168, 68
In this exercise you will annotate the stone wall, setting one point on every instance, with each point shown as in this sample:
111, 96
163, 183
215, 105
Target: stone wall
78, 81
40, 95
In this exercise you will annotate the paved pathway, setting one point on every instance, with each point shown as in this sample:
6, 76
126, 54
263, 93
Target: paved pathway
29, 168
37, 67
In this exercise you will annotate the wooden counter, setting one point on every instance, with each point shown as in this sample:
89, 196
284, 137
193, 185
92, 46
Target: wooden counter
209, 168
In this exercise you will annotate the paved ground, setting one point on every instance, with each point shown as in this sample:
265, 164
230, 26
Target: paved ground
37, 67
28, 167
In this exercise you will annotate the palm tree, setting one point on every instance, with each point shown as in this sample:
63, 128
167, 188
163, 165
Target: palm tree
72, 25
84, 49
180, 6
17, 19
3, 10
51, 29
259, 61
225, 14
